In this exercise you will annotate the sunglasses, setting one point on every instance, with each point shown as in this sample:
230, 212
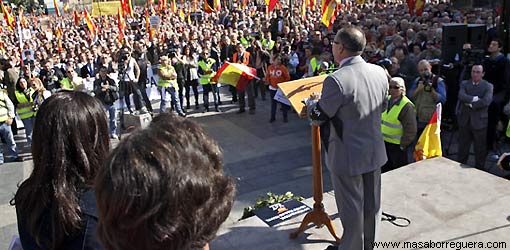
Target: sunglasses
394, 87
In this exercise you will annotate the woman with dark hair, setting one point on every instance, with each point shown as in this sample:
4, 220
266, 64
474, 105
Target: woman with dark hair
163, 188
191, 75
55, 206
25, 106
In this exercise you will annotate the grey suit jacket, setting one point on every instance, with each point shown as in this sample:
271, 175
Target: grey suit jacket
474, 114
356, 94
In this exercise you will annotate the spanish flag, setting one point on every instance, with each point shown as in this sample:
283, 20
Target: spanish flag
66, 7
181, 14
57, 12
189, 16
121, 25
58, 34
209, 6
174, 7
76, 18
419, 7
303, 10
410, 6
271, 4
311, 4
90, 24
429, 143
9, 19
328, 10
235, 74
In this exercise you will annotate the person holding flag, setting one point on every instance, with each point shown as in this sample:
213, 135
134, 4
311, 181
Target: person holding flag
398, 125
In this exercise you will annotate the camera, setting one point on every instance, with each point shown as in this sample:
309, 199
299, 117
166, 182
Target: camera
472, 56
385, 63
426, 81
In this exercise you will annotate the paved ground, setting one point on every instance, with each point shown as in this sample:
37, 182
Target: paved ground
261, 156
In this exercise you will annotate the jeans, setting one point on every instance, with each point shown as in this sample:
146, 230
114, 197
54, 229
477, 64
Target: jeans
110, 109
6, 133
208, 88
173, 98
29, 126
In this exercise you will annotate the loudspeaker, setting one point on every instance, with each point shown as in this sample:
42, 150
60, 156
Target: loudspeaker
454, 36
477, 36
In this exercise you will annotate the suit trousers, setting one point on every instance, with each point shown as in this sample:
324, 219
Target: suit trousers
478, 137
251, 98
358, 199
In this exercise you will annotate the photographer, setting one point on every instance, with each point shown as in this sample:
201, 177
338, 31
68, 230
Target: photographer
50, 76
427, 90
129, 73
106, 90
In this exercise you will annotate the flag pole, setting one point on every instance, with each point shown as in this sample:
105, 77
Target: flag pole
317, 216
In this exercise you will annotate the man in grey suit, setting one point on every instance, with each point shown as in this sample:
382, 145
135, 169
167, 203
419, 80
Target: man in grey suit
352, 101
475, 96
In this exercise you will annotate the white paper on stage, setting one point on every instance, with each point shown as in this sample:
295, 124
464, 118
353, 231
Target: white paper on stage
280, 97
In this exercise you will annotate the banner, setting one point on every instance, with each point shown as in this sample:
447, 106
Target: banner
105, 8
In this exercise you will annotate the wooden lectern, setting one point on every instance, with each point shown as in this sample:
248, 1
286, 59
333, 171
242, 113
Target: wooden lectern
296, 92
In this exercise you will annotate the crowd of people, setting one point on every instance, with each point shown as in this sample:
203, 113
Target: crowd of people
180, 58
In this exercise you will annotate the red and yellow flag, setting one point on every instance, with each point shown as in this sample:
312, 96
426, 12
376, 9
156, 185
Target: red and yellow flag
174, 7
312, 4
90, 24
235, 74
303, 10
9, 19
57, 12
58, 34
328, 10
121, 25
76, 18
66, 7
21, 18
419, 7
181, 14
189, 16
410, 6
429, 143
271, 4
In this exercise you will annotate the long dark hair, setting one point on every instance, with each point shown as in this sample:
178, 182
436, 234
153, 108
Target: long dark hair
70, 142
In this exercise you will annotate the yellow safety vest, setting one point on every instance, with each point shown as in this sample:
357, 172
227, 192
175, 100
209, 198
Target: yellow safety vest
206, 78
314, 64
508, 130
268, 44
391, 127
168, 83
245, 41
25, 108
66, 84
4, 111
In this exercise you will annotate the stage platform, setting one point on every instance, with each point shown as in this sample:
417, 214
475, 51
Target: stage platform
445, 201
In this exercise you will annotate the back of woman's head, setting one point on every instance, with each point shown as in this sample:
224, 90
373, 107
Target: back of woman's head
163, 187
70, 142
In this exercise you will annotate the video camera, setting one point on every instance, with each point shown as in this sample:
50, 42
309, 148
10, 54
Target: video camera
472, 56
385, 63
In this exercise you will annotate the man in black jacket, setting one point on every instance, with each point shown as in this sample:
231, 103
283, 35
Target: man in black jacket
106, 90
497, 72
